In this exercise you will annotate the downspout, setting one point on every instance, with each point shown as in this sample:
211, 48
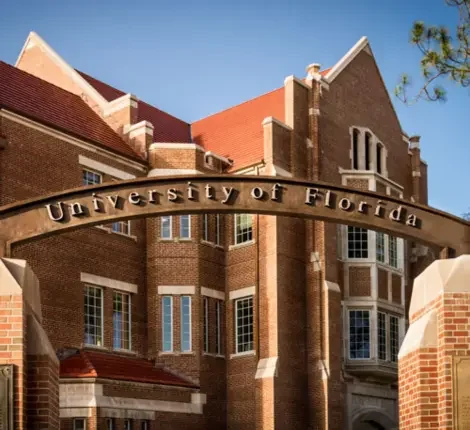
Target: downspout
258, 299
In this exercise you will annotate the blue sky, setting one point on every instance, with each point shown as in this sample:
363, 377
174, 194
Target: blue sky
196, 58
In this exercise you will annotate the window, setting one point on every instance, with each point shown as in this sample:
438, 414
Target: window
145, 425
121, 320
185, 226
79, 424
110, 424
359, 334
379, 157
166, 228
243, 228
380, 246
381, 336
357, 242
367, 151
218, 321
185, 323
91, 178
206, 323
128, 424
123, 227
393, 251
217, 230
205, 227
167, 323
244, 324
394, 339
355, 149
93, 316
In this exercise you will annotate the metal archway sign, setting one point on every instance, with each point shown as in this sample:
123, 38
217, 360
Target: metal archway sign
155, 196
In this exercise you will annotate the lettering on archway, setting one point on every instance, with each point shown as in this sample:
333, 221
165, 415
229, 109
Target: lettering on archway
156, 196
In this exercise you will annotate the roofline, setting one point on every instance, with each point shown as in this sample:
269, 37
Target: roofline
56, 58
347, 58
97, 379
102, 147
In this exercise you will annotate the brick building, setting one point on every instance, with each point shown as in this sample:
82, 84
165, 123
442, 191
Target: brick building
212, 321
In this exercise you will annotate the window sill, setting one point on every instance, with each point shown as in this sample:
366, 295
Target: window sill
211, 354
124, 351
241, 245
243, 354
110, 231
177, 353
211, 244
187, 353
167, 353
91, 346
183, 239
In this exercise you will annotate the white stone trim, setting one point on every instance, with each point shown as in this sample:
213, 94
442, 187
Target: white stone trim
422, 333
309, 142
86, 396
242, 292
282, 172
347, 58
169, 172
127, 413
104, 168
176, 290
198, 398
136, 129
69, 139
271, 120
219, 157
414, 145
109, 283
332, 286
125, 101
267, 368
75, 412
68, 70
292, 78
210, 292
162, 145
416, 174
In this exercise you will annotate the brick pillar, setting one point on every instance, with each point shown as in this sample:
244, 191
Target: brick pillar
24, 344
436, 349
416, 166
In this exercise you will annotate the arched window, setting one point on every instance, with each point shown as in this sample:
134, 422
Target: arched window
355, 149
367, 151
379, 157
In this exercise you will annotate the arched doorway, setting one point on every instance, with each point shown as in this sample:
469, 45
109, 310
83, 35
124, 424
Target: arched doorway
373, 419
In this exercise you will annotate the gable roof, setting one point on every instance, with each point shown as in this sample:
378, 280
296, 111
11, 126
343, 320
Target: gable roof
50, 105
166, 127
237, 132
94, 364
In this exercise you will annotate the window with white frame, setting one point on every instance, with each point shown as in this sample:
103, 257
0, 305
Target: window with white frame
381, 336
166, 227
394, 338
218, 326
355, 149
243, 228
358, 242
218, 235
244, 325
79, 424
393, 251
128, 424
91, 178
167, 323
110, 425
121, 320
93, 312
380, 246
359, 334
185, 226
205, 227
185, 313
205, 314
122, 227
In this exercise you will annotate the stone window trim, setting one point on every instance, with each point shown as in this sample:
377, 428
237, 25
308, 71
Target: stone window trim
79, 424
359, 153
104, 168
182, 235
103, 282
176, 290
167, 337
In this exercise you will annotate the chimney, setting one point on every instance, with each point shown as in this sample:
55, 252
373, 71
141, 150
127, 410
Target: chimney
313, 69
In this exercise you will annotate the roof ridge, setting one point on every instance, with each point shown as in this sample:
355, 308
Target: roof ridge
237, 105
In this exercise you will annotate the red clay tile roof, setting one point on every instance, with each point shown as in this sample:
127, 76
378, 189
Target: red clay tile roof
237, 132
93, 364
167, 128
41, 101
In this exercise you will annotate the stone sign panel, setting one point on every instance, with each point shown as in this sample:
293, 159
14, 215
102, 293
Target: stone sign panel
6, 397
461, 392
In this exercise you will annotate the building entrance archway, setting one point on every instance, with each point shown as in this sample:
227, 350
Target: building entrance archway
373, 419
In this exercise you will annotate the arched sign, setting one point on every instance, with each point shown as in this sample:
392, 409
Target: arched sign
156, 196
